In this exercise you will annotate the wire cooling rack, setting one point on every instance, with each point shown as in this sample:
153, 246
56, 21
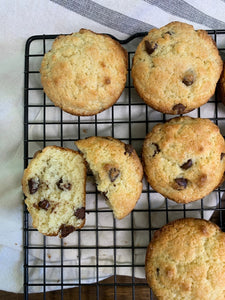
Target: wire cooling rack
104, 247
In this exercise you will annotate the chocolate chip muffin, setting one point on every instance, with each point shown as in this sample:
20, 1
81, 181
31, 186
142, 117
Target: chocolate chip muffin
54, 186
117, 169
184, 158
221, 86
186, 260
175, 68
85, 72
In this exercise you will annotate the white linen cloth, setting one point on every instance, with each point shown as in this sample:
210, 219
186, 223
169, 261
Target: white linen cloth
18, 21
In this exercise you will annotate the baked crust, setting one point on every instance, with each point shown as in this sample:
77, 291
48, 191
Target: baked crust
184, 159
186, 260
85, 72
54, 186
117, 169
175, 68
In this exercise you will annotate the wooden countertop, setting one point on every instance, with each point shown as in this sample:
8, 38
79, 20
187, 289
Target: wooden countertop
88, 292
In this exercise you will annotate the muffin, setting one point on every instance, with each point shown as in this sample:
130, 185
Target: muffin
175, 68
186, 260
84, 73
117, 170
221, 86
184, 158
54, 186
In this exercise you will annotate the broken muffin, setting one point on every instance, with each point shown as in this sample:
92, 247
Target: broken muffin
54, 186
117, 170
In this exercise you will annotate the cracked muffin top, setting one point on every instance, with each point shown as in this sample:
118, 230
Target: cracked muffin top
175, 68
84, 73
186, 260
184, 158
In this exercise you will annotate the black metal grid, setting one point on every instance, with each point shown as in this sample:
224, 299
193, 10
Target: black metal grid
128, 120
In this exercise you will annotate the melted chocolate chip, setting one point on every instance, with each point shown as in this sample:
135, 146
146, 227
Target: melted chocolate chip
109, 138
222, 155
181, 183
65, 230
157, 150
179, 108
107, 80
157, 271
188, 79
44, 204
63, 186
150, 47
104, 195
33, 185
80, 213
187, 165
128, 149
169, 32
113, 174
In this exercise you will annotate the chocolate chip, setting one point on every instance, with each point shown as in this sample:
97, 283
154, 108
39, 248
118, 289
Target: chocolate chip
65, 230
157, 271
128, 149
107, 80
222, 155
169, 32
113, 174
150, 47
109, 138
54, 207
188, 79
35, 206
63, 186
179, 108
33, 185
187, 165
80, 213
44, 204
104, 195
156, 150
181, 183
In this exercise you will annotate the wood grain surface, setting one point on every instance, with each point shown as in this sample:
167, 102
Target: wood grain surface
123, 290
